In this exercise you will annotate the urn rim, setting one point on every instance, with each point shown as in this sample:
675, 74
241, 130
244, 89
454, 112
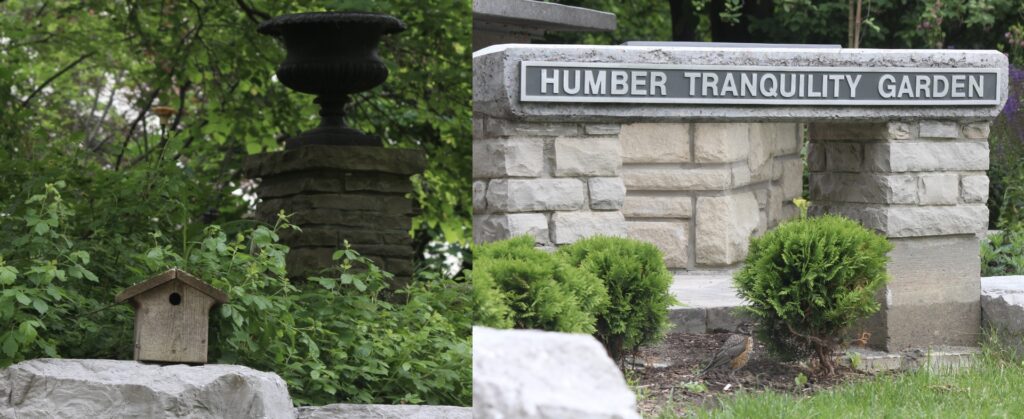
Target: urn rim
276, 26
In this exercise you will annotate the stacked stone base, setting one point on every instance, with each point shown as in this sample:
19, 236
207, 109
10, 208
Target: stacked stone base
337, 194
923, 185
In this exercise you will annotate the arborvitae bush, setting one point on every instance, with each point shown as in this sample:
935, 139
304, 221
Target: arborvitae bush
638, 283
811, 278
517, 285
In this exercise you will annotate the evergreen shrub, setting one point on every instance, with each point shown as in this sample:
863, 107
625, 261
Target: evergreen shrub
637, 281
811, 278
516, 285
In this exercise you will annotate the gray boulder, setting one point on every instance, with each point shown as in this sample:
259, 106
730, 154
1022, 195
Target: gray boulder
1002, 303
384, 411
535, 374
98, 388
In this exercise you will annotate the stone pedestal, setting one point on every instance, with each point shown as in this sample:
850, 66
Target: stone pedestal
339, 193
922, 184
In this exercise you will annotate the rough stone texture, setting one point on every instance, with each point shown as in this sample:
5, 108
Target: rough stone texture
488, 228
98, 388
816, 156
536, 374
508, 157
843, 156
724, 225
787, 137
938, 129
571, 226
587, 157
939, 189
350, 159
655, 143
974, 189
522, 195
506, 128
479, 196
933, 297
844, 131
908, 221
658, 206
863, 188
1002, 306
671, 237
720, 143
341, 193
792, 178
925, 156
976, 130
496, 72
606, 193
601, 129
383, 411
672, 179
762, 137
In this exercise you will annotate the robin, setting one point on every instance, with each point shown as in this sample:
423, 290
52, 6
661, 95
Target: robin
735, 352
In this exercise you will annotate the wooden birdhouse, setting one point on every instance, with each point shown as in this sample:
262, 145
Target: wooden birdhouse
172, 317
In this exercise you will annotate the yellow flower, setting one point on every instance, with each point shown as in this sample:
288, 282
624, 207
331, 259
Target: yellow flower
802, 204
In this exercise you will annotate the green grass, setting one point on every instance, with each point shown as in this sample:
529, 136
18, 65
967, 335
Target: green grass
993, 387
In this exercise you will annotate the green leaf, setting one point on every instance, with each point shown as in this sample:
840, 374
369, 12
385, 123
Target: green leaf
8, 274
22, 298
10, 346
40, 306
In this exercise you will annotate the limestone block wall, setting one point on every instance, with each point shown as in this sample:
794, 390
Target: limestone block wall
337, 194
700, 190
922, 184
556, 181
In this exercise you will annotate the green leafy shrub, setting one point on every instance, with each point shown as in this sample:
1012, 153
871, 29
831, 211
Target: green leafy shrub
333, 338
637, 281
1003, 253
811, 278
518, 286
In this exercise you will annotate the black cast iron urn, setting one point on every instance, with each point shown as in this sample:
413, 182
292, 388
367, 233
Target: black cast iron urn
332, 55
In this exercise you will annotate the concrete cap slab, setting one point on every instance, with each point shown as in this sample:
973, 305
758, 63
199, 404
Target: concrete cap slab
496, 82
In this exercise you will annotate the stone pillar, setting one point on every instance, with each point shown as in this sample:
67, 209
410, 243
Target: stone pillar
700, 190
922, 184
339, 193
558, 182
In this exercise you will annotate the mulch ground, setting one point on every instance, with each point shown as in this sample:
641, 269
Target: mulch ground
668, 374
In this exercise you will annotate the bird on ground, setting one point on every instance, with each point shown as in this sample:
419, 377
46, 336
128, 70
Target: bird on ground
734, 353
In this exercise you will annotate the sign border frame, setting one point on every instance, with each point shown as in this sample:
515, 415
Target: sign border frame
524, 98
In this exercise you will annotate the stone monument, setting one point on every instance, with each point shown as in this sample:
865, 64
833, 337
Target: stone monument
338, 183
697, 149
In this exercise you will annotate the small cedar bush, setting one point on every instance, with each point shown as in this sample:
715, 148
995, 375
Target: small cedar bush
518, 286
811, 278
637, 282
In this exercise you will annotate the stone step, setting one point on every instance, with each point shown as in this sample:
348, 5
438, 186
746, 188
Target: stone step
707, 300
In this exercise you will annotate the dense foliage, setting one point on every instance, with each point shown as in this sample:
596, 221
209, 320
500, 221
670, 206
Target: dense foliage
637, 281
80, 83
332, 339
516, 285
963, 24
811, 278
98, 193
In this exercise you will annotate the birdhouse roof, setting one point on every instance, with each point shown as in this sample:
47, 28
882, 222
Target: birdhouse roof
173, 273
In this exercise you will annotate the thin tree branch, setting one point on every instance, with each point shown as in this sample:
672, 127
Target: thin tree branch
25, 102
254, 15
135, 123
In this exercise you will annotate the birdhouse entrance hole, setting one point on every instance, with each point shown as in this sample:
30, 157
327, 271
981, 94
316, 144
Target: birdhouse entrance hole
175, 298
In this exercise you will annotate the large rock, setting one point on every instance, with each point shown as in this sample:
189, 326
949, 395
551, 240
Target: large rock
96, 388
1002, 304
535, 374
384, 411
